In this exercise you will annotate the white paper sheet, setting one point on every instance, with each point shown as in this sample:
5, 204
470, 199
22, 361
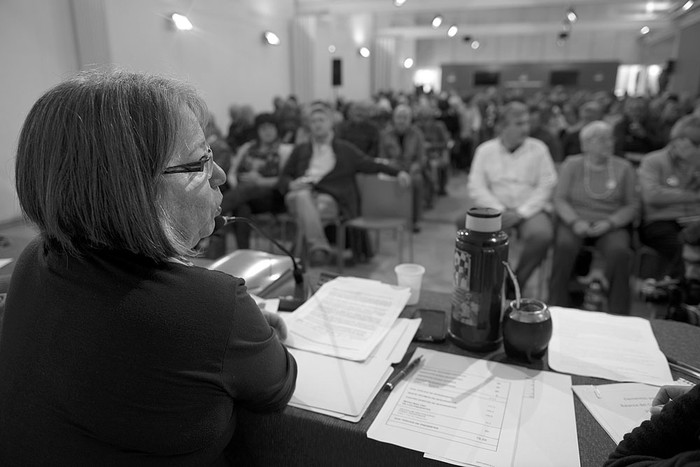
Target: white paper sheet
394, 346
618, 348
346, 318
618, 408
337, 387
547, 429
456, 408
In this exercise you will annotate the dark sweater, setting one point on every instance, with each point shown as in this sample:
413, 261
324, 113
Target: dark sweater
113, 359
669, 439
340, 181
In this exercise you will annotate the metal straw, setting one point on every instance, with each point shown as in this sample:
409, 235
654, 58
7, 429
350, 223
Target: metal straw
515, 283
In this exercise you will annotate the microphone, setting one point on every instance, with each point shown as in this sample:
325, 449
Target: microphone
286, 304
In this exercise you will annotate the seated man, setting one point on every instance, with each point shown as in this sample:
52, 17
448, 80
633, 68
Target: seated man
252, 181
670, 185
515, 174
359, 130
403, 145
318, 181
437, 148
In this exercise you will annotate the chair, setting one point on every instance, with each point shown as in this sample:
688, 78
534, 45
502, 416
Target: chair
384, 205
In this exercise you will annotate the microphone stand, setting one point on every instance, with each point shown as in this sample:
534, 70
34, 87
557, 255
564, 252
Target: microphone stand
299, 296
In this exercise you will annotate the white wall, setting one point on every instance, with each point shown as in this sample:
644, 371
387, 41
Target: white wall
223, 57
37, 50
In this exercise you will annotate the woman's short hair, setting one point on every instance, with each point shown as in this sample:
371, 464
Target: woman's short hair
511, 111
593, 130
90, 159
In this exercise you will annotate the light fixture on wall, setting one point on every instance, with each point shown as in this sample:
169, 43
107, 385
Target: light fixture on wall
399, 2
437, 21
331, 49
644, 31
181, 22
408, 63
270, 38
475, 44
571, 15
687, 5
452, 31
364, 52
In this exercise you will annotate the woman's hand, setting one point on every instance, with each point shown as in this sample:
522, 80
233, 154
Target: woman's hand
404, 179
277, 323
600, 228
301, 183
665, 395
581, 228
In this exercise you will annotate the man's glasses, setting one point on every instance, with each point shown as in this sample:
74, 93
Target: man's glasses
204, 164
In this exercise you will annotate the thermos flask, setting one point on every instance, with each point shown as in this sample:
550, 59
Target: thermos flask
477, 301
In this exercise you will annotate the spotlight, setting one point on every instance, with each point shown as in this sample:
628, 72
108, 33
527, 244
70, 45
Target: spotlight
475, 45
644, 30
687, 5
271, 38
364, 52
181, 22
452, 31
437, 21
408, 63
399, 2
571, 15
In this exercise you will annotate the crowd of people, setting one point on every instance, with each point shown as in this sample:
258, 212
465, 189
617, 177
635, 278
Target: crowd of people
569, 170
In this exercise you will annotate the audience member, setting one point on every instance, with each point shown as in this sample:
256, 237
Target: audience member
241, 130
318, 181
437, 149
469, 126
587, 113
596, 201
539, 129
670, 438
637, 133
127, 353
253, 181
515, 174
359, 130
670, 186
402, 144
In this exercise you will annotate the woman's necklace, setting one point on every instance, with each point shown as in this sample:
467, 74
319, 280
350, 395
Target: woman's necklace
610, 184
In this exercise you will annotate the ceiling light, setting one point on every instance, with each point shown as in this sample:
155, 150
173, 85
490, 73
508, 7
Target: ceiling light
475, 45
181, 22
453, 30
331, 48
408, 63
644, 30
571, 15
650, 7
271, 38
437, 21
399, 2
364, 52
688, 5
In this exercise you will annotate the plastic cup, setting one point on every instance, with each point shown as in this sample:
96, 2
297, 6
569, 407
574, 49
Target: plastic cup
410, 275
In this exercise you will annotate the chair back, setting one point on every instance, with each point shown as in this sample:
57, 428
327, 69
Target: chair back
382, 198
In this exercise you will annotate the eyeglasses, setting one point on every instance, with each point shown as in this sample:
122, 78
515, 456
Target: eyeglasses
204, 164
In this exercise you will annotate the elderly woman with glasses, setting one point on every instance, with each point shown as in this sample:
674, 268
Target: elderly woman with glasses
596, 202
116, 349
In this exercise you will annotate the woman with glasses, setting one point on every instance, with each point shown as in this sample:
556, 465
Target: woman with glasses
596, 201
115, 349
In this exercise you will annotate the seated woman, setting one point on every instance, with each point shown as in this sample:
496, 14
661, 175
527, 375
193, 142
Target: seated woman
596, 201
252, 182
115, 349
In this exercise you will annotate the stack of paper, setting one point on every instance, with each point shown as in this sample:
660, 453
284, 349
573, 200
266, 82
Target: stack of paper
475, 412
344, 340
619, 348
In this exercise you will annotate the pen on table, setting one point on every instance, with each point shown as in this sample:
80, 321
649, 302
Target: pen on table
402, 374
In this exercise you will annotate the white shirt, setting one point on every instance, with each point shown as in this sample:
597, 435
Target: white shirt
522, 180
322, 161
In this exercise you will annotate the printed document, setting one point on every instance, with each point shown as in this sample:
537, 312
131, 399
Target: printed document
618, 348
454, 407
346, 318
